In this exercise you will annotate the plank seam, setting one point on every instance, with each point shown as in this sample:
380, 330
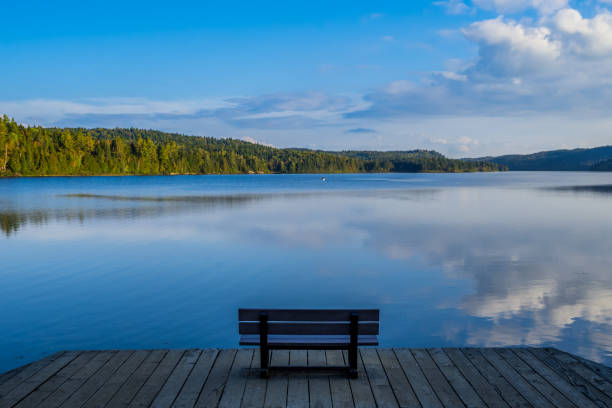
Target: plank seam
46, 379
529, 382
126, 380
494, 386
109, 377
178, 360
416, 360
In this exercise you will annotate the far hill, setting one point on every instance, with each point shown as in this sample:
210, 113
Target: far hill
595, 159
38, 151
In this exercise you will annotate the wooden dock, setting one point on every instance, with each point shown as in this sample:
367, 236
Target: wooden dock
467, 377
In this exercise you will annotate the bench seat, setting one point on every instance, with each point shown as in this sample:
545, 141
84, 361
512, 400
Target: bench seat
308, 329
296, 341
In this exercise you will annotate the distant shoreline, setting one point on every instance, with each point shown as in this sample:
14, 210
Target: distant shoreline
232, 174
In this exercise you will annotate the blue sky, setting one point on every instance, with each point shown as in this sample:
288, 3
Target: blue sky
464, 77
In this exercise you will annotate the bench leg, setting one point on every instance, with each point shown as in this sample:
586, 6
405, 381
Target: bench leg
354, 329
263, 344
353, 373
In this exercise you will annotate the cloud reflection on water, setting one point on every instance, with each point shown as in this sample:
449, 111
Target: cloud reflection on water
538, 263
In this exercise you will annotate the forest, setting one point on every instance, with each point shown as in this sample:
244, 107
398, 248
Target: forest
39, 151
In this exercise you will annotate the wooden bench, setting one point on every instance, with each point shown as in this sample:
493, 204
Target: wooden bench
302, 329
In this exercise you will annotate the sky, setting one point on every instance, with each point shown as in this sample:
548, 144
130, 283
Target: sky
464, 77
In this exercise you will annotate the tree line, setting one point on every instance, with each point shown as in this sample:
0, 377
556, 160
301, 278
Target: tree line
39, 151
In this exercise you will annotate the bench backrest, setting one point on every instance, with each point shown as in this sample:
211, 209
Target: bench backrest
308, 321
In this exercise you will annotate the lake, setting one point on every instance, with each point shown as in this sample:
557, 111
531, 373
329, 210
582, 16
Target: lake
491, 259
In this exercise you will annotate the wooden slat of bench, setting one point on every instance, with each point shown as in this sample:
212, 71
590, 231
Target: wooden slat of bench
308, 328
296, 340
312, 315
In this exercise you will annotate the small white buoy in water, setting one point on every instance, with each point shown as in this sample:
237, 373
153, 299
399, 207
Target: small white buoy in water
323, 179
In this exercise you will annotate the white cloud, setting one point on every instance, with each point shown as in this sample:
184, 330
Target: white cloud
453, 6
514, 6
585, 36
507, 46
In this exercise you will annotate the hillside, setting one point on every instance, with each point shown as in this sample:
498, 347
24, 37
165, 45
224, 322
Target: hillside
37, 151
556, 160
417, 161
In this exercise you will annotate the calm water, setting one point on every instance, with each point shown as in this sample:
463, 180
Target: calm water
451, 260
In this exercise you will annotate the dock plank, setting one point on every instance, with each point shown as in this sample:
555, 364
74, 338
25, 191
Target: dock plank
255, 389
383, 394
93, 384
550, 392
48, 387
422, 389
10, 380
75, 381
39, 376
318, 384
177, 378
156, 381
597, 380
521, 384
460, 384
554, 379
486, 391
577, 381
399, 382
229, 378
440, 385
236, 382
190, 392
130, 388
360, 387
501, 384
339, 384
276, 391
215, 383
297, 387
103, 395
